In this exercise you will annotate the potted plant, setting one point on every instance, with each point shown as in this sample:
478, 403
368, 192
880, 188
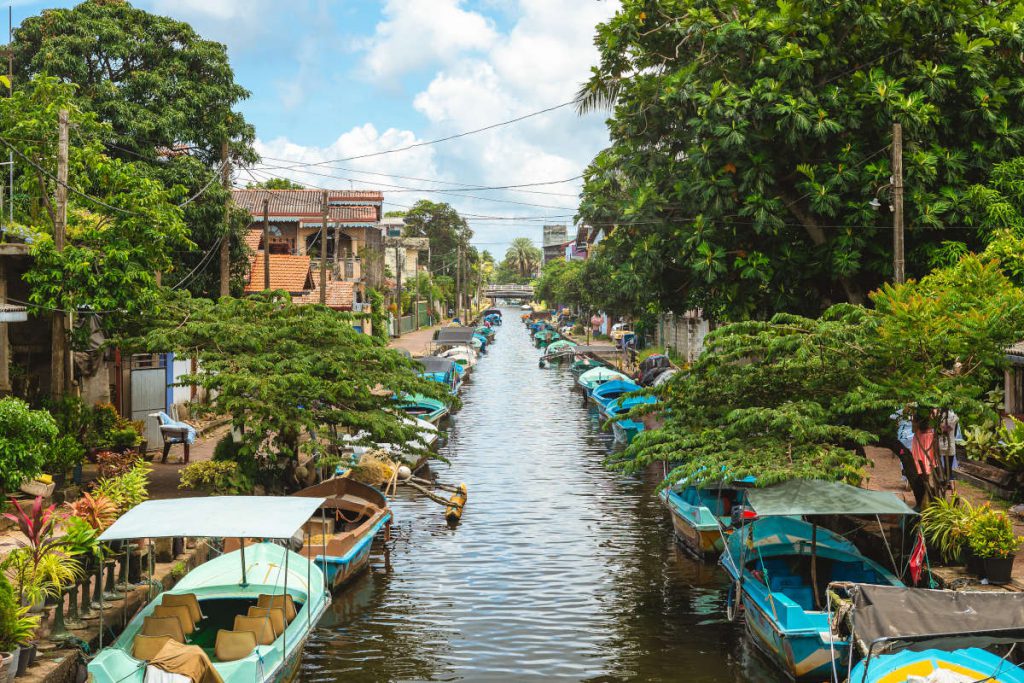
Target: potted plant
42, 568
63, 454
946, 524
16, 628
22, 452
992, 540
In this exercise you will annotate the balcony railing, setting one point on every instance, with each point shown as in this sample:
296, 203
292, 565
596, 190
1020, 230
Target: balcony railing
347, 268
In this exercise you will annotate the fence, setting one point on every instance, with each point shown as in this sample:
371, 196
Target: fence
407, 323
684, 334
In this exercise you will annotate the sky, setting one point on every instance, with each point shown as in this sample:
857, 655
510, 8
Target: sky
335, 79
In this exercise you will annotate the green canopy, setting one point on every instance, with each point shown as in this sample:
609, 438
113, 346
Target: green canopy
814, 497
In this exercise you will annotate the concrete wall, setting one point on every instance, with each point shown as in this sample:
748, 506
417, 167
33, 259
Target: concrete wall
683, 333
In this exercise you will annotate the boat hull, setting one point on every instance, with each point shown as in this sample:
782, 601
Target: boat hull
971, 664
342, 569
700, 537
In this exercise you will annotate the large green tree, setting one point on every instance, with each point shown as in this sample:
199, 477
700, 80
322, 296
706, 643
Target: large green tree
447, 230
169, 97
749, 139
523, 257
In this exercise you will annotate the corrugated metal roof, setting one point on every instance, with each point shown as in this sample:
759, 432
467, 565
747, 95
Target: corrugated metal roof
353, 205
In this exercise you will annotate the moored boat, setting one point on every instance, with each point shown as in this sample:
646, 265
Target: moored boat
423, 407
606, 393
597, 376
625, 429
243, 616
352, 514
442, 370
702, 516
781, 566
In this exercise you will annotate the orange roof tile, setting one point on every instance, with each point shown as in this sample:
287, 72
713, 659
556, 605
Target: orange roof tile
287, 272
253, 238
340, 295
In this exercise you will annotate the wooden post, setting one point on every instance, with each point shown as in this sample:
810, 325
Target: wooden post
323, 249
398, 284
458, 281
58, 343
225, 245
899, 267
5, 348
266, 243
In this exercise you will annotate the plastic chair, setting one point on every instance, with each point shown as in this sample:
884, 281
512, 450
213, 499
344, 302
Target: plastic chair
278, 601
231, 646
163, 626
275, 614
179, 612
188, 599
260, 626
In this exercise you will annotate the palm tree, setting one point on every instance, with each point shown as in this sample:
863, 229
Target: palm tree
523, 257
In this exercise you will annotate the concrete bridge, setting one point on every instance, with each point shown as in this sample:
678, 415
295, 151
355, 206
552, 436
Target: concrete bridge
509, 292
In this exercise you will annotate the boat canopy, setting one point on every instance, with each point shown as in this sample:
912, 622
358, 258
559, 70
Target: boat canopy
435, 364
217, 517
919, 618
815, 497
454, 335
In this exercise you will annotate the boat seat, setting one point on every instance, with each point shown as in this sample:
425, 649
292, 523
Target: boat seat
275, 614
179, 612
801, 595
163, 626
260, 626
278, 601
231, 646
146, 647
188, 599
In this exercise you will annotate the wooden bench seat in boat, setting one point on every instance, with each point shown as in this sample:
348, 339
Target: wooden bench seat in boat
163, 626
275, 614
234, 645
278, 601
261, 627
179, 612
188, 599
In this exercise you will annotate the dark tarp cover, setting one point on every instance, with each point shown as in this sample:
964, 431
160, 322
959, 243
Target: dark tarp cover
815, 497
492, 310
435, 364
936, 618
454, 335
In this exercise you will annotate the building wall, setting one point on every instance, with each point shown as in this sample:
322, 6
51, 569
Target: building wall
684, 334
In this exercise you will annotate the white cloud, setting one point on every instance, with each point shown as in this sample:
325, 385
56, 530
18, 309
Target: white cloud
420, 33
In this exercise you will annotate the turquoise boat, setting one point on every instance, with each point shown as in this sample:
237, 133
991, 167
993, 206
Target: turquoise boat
702, 516
581, 365
781, 565
597, 376
916, 634
243, 616
423, 407
352, 515
442, 370
559, 350
626, 429
608, 392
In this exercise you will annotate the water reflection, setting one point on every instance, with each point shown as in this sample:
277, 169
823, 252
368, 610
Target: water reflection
560, 568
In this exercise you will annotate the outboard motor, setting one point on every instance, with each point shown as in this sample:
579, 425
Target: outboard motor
742, 515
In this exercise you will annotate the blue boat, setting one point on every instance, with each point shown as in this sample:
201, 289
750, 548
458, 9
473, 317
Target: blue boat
603, 394
702, 516
626, 428
442, 370
781, 566
422, 407
905, 634
352, 514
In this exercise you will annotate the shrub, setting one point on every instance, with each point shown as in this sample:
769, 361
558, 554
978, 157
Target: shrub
22, 442
218, 477
992, 535
63, 453
947, 524
115, 463
128, 489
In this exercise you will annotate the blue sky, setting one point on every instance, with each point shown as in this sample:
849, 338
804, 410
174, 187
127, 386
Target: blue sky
332, 79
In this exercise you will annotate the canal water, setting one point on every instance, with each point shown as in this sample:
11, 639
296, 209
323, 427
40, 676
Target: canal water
560, 569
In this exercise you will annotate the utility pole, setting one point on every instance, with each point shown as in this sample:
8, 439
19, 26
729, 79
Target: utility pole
458, 281
58, 344
416, 306
398, 281
323, 250
899, 267
266, 243
225, 245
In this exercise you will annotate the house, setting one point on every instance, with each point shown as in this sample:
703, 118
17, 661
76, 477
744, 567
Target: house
579, 248
353, 244
1013, 380
555, 240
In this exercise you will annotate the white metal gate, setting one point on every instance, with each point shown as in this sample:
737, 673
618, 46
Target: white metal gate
149, 392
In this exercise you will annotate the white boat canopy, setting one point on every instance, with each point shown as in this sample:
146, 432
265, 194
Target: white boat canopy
217, 517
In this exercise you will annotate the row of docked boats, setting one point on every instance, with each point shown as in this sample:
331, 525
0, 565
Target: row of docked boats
245, 615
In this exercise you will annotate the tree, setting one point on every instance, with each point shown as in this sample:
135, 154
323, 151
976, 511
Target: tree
22, 442
447, 230
294, 379
276, 184
796, 397
523, 257
169, 97
749, 139
122, 225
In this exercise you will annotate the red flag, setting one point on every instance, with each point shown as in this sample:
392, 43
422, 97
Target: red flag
917, 559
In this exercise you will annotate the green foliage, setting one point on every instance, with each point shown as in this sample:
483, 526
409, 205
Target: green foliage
992, 535
17, 626
447, 230
23, 449
276, 184
125, 490
749, 138
80, 538
62, 454
947, 523
169, 98
523, 258
291, 377
216, 477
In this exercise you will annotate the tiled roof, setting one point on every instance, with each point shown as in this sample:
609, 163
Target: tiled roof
253, 238
357, 205
339, 295
287, 272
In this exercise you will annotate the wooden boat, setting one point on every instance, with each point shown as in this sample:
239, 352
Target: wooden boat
626, 429
607, 392
702, 516
911, 634
423, 407
583, 364
353, 514
242, 617
781, 566
443, 370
